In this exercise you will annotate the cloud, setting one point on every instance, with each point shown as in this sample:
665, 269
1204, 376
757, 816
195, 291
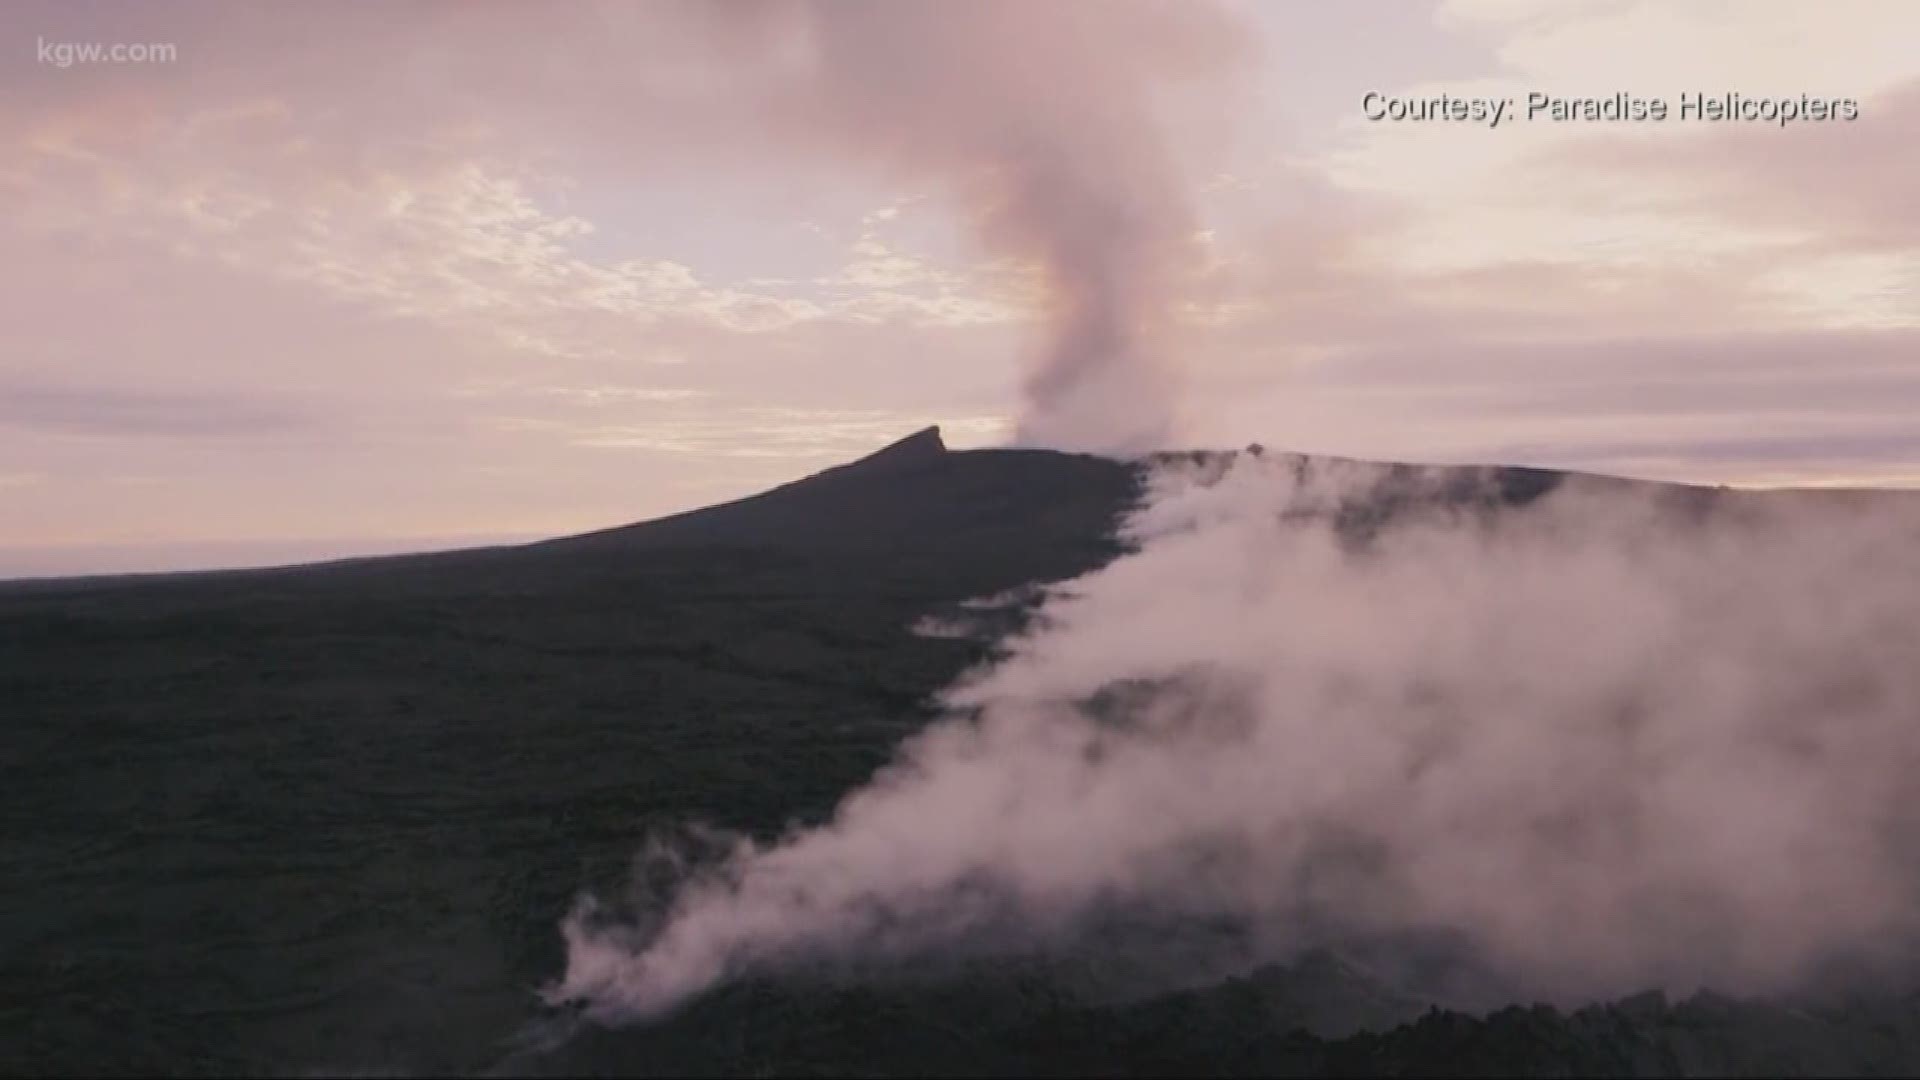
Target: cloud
769, 432
1649, 198
606, 395
1841, 187
1760, 408
114, 413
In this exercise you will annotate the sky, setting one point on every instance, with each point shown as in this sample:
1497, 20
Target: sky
284, 282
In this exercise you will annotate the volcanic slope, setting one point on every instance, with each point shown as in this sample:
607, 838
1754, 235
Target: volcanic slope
328, 817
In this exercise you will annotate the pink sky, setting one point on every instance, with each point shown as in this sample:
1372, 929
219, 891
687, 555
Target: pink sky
353, 277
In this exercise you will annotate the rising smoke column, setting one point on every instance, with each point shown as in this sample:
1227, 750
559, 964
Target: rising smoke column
1040, 119
1605, 743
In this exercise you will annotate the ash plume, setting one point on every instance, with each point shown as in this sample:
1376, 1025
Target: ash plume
1041, 121
1608, 741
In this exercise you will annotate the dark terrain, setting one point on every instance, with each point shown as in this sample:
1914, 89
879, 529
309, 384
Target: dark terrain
327, 818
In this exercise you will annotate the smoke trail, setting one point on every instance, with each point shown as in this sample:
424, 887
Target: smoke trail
1607, 742
1040, 119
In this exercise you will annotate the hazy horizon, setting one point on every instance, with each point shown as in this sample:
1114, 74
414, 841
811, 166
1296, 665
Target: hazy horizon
23, 563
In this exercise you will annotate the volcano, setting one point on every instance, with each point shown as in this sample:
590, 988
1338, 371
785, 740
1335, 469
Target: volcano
327, 817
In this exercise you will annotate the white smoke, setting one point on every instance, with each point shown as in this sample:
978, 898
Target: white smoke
1043, 123
1609, 744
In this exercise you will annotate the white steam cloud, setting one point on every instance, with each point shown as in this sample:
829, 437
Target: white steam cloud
1607, 742
1042, 123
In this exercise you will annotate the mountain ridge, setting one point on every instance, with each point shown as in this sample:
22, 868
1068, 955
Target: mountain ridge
827, 508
